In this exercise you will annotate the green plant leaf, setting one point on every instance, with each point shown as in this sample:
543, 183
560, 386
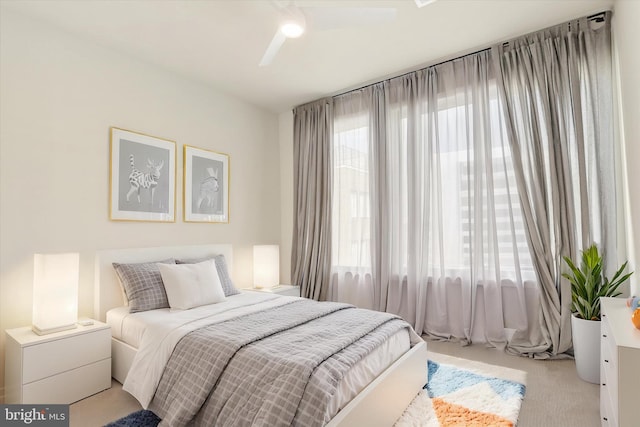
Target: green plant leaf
589, 284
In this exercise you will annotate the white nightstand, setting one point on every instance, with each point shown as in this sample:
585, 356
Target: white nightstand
289, 290
62, 367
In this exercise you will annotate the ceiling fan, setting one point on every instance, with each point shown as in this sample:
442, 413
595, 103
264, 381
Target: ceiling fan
295, 20
423, 3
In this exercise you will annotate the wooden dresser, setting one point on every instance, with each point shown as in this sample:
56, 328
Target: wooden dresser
619, 365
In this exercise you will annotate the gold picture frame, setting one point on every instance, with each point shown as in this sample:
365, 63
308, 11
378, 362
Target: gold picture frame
142, 177
205, 193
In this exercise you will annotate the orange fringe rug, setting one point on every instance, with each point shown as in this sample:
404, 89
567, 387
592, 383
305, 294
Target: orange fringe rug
454, 396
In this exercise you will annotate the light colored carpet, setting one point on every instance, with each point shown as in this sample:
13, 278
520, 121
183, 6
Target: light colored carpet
464, 392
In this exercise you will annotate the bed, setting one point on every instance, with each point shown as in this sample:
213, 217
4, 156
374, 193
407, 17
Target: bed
377, 397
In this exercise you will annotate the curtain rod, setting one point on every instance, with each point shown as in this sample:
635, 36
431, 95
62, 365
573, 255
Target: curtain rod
597, 17
411, 72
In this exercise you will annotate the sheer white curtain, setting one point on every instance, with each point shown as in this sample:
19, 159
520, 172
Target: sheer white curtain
557, 89
425, 213
353, 190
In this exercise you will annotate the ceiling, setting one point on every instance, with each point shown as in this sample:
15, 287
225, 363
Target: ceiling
221, 42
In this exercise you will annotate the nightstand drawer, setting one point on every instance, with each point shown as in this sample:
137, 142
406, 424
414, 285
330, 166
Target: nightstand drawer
70, 386
54, 357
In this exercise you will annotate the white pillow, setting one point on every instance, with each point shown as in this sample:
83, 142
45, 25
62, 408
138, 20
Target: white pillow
191, 285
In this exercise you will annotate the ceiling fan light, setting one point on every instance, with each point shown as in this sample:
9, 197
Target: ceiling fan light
291, 30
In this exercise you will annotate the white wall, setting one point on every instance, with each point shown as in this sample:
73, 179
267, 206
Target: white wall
627, 35
60, 95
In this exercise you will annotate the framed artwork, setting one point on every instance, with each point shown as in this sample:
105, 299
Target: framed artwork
143, 177
206, 185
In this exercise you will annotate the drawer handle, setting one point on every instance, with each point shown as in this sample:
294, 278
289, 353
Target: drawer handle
605, 418
604, 335
606, 360
604, 384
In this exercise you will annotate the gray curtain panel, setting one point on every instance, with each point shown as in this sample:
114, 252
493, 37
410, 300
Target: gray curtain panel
311, 246
557, 93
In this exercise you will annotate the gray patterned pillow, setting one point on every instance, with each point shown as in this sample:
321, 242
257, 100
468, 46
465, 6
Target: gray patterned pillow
142, 284
223, 272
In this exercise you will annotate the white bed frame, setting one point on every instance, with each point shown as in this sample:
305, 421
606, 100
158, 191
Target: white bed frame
378, 404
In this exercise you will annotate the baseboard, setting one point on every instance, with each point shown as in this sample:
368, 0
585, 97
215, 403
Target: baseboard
2, 394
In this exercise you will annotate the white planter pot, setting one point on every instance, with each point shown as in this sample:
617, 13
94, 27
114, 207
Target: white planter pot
586, 348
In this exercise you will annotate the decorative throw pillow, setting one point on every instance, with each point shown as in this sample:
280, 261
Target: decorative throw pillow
142, 284
191, 285
223, 272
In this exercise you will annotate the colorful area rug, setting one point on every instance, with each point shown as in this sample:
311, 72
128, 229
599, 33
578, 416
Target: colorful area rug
456, 396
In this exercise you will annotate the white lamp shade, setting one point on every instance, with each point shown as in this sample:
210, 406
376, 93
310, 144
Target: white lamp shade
266, 266
55, 292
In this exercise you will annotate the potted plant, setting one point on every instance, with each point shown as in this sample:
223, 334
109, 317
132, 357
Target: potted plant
588, 285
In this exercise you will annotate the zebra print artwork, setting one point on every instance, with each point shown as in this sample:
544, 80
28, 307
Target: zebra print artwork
206, 186
208, 197
142, 177
138, 179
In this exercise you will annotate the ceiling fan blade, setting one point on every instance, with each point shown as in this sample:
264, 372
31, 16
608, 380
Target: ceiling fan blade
273, 49
329, 18
423, 3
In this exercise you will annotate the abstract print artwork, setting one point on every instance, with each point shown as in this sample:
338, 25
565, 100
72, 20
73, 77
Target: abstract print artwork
206, 185
143, 177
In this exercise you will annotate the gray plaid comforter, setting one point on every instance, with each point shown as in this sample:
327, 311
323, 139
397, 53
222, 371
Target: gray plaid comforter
277, 367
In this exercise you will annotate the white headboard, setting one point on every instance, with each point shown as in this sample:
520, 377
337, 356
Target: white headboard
107, 289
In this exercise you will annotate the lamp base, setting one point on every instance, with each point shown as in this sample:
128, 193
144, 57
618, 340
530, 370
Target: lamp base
46, 331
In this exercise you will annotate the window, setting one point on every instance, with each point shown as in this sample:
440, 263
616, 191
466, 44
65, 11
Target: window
469, 199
